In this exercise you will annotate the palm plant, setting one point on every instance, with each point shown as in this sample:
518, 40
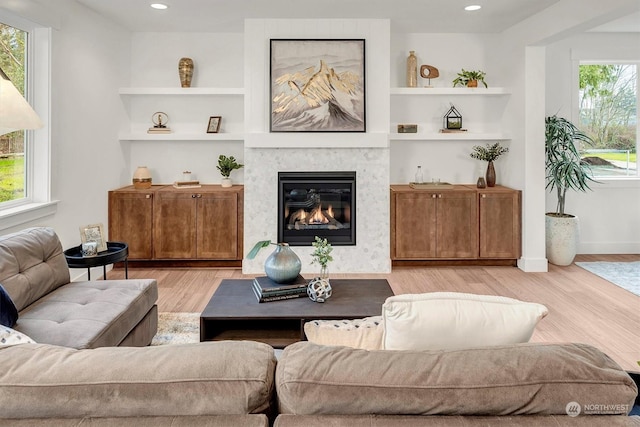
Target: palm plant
564, 167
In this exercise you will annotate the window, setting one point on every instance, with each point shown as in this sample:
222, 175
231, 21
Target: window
608, 108
13, 55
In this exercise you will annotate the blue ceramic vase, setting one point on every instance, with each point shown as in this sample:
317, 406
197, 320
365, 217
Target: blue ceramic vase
283, 265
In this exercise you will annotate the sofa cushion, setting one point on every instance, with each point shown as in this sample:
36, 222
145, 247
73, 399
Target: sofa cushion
33, 264
10, 336
503, 380
210, 378
363, 333
89, 314
8, 311
452, 320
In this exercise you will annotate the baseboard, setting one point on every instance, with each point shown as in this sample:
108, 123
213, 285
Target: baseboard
533, 265
609, 248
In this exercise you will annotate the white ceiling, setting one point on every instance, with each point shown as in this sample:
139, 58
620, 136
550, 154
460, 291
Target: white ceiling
432, 16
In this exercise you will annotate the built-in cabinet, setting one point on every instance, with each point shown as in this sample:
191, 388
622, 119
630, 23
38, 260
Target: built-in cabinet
455, 223
165, 223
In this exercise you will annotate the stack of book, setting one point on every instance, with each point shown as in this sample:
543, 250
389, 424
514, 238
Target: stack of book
267, 290
187, 184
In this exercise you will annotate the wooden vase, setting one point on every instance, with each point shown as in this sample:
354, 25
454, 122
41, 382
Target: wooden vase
491, 175
185, 70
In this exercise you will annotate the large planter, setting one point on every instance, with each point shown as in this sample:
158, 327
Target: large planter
562, 235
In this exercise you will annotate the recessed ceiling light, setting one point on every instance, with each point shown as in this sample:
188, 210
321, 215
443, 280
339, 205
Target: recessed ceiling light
473, 7
159, 6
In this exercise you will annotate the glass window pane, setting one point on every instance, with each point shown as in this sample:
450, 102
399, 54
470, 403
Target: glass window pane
608, 113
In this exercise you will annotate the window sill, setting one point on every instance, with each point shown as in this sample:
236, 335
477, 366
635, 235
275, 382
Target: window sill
28, 212
626, 182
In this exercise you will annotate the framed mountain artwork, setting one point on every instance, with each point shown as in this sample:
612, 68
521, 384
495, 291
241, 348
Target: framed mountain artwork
318, 85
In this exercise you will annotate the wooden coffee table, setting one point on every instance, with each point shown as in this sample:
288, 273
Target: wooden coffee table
233, 313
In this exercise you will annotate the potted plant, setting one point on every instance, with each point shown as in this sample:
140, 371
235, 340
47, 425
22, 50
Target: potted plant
226, 165
489, 153
470, 78
565, 170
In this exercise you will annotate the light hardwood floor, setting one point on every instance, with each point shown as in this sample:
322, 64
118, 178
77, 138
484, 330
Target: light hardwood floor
582, 306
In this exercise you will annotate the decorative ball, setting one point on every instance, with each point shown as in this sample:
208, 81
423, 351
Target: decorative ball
319, 290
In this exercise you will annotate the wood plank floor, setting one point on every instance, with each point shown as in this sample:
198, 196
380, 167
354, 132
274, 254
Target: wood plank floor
582, 306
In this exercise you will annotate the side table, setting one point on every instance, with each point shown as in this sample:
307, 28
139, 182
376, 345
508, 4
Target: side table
116, 252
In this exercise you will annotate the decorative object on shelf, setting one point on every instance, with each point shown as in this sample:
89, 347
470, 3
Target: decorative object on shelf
407, 128
318, 85
470, 78
141, 178
160, 121
419, 179
214, 124
282, 266
412, 69
185, 70
431, 73
481, 183
187, 184
565, 170
489, 153
319, 289
89, 249
226, 165
94, 233
186, 175
452, 119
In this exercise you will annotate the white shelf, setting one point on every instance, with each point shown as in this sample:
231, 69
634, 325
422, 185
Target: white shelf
181, 91
462, 136
419, 91
181, 137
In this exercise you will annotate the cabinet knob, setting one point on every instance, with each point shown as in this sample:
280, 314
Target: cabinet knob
433, 196
199, 196
439, 196
147, 196
484, 196
193, 196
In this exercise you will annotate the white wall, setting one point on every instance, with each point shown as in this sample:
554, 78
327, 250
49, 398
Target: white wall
609, 215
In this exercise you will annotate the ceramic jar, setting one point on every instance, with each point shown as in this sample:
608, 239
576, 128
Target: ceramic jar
283, 265
141, 178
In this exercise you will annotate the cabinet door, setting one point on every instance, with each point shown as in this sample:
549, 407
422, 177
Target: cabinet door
131, 221
175, 225
217, 226
500, 224
415, 225
457, 215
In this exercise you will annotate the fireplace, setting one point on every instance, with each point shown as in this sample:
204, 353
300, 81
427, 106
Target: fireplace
319, 204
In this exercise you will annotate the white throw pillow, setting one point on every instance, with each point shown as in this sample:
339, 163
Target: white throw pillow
10, 336
363, 333
451, 320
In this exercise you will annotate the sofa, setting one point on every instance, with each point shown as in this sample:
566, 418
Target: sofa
83, 314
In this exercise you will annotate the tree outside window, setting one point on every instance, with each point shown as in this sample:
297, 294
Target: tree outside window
13, 45
608, 114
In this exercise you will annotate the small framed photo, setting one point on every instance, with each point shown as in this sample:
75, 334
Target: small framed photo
94, 233
214, 124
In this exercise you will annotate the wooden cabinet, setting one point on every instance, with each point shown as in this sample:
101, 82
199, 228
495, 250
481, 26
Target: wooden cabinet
131, 220
500, 222
455, 223
200, 223
165, 223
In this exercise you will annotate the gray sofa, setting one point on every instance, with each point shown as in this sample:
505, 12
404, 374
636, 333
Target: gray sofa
53, 310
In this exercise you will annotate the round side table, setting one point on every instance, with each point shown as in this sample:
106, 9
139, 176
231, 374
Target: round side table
116, 252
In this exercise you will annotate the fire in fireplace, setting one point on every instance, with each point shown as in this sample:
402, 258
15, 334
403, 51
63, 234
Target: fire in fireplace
317, 204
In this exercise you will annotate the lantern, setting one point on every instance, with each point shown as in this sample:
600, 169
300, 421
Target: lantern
453, 119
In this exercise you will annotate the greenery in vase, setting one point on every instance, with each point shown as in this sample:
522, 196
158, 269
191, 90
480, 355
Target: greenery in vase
227, 164
464, 77
564, 165
489, 153
322, 252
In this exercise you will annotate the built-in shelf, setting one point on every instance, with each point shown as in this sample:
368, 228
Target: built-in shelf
463, 136
181, 91
417, 91
181, 137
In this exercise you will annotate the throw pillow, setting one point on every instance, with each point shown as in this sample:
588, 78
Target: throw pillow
451, 321
8, 311
10, 336
363, 333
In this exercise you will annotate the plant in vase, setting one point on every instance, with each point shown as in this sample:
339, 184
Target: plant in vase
319, 289
470, 78
489, 153
226, 165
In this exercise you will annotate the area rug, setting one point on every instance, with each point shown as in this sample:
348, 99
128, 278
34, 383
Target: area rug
623, 274
177, 328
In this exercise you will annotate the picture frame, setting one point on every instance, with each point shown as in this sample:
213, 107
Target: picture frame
94, 233
317, 85
214, 124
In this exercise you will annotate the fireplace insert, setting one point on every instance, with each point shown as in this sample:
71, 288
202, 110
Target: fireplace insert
319, 204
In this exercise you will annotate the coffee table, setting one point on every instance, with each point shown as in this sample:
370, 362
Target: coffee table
234, 313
